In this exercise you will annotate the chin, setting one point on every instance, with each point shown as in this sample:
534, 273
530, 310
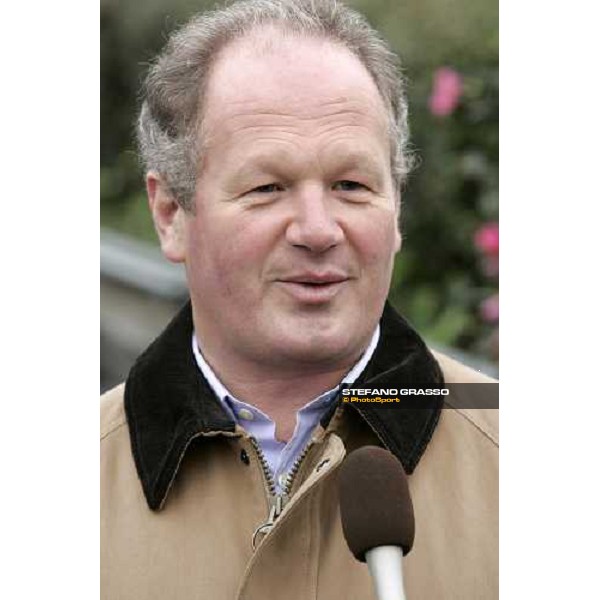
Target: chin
327, 337
321, 348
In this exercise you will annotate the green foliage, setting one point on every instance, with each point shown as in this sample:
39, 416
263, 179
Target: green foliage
132, 217
441, 282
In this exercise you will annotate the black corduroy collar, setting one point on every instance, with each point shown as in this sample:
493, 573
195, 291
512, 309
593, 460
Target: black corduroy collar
168, 402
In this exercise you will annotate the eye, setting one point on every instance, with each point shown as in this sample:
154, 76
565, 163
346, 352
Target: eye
268, 188
349, 186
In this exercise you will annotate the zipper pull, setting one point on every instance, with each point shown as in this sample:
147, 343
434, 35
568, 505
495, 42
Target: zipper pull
277, 504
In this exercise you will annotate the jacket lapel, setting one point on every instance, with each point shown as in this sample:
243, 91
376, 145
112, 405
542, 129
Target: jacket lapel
401, 359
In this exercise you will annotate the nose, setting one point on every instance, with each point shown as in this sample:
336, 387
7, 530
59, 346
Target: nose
313, 226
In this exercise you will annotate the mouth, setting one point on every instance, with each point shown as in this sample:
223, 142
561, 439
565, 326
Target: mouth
313, 288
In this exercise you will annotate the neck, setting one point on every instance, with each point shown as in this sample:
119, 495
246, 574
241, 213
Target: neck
278, 393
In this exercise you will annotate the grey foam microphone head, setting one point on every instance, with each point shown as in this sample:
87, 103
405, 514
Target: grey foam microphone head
375, 502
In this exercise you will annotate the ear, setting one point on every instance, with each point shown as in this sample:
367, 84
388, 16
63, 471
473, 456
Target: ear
169, 218
397, 239
397, 234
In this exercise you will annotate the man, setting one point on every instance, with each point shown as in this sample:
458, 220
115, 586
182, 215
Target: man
274, 136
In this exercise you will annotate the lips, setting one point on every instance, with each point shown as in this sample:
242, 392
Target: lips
314, 278
313, 287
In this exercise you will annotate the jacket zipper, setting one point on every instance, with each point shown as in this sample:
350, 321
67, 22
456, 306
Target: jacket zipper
277, 501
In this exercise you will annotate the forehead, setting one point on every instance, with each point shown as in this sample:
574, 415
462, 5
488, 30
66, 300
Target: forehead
271, 75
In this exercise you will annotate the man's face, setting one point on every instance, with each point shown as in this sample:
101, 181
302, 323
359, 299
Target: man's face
290, 250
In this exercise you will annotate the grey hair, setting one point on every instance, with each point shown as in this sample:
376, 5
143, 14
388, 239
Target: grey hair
169, 124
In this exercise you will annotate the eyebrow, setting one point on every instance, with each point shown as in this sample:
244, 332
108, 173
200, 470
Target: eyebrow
359, 160
259, 163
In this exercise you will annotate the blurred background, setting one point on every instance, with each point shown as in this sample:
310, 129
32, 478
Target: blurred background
445, 279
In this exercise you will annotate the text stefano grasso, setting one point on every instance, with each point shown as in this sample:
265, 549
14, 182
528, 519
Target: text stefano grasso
396, 392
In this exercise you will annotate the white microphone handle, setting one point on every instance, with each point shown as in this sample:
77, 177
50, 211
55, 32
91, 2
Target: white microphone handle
385, 565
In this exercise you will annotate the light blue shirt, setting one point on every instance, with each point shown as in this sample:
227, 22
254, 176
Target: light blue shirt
279, 455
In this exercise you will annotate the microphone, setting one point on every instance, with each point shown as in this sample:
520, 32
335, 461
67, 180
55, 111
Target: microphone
377, 516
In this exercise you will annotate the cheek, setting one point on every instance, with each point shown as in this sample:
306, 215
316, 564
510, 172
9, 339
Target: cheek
227, 253
378, 242
208, 262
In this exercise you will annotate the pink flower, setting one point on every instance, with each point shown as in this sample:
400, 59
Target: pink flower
489, 309
447, 88
487, 239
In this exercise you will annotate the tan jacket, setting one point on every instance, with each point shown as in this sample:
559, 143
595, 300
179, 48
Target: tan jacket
183, 489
